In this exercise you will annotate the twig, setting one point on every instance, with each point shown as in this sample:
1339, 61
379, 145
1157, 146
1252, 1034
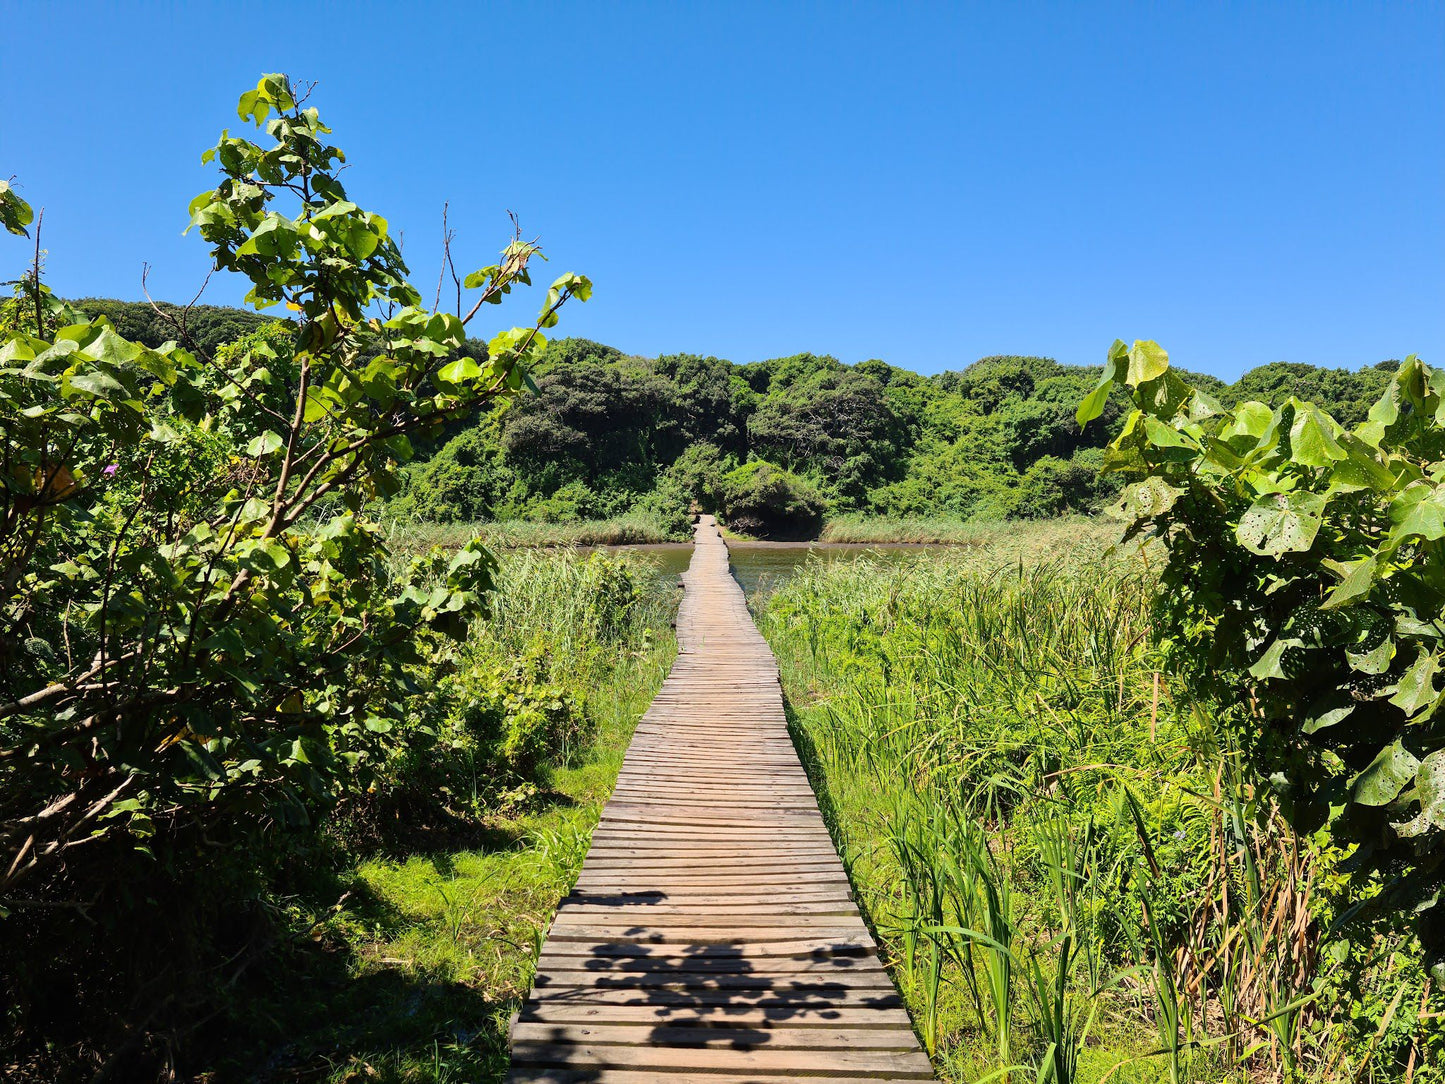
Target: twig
39, 312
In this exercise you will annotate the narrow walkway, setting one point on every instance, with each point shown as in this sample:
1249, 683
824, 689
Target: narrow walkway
712, 936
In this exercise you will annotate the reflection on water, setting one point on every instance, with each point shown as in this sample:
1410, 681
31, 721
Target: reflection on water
763, 566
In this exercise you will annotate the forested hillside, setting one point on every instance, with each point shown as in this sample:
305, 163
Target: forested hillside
774, 446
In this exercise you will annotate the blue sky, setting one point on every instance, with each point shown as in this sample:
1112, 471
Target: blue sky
924, 183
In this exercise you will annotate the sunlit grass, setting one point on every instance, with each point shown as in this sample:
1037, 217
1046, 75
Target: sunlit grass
408, 968
633, 529
977, 723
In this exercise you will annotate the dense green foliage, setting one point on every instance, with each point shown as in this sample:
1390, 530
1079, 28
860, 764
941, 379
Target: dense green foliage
1306, 574
609, 433
1062, 849
204, 640
207, 327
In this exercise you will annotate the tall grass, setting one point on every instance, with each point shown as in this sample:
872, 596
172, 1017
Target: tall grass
1070, 875
951, 531
632, 529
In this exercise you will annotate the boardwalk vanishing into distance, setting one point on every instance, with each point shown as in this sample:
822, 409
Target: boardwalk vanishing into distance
712, 935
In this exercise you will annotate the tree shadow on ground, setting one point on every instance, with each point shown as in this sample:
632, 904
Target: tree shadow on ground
713, 995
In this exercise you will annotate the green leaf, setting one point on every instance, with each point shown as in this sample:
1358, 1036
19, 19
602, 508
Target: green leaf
1328, 718
1281, 523
1163, 435
1416, 691
1151, 497
267, 443
316, 405
1419, 512
579, 285
1383, 414
1147, 361
460, 370
1312, 437
1093, 404
1361, 469
480, 278
1251, 419
15, 213
1381, 782
1430, 792
1375, 661
1268, 665
1356, 579
98, 383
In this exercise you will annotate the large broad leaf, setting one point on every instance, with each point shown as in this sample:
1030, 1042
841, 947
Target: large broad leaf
96, 382
1147, 361
1356, 579
1430, 791
1281, 523
1416, 690
1151, 497
1419, 512
1093, 404
1312, 437
1361, 469
1268, 665
1382, 415
464, 368
1386, 777
1375, 661
1250, 419
267, 443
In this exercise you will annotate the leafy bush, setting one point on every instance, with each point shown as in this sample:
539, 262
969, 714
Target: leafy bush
1306, 577
761, 499
202, 635
1054, 487
699, 472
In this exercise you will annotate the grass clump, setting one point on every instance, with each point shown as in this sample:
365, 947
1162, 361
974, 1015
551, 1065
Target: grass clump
1069, 873
947, 531
919, 530
632, 529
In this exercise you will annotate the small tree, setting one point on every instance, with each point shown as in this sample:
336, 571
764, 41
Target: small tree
1306, 578
199, 624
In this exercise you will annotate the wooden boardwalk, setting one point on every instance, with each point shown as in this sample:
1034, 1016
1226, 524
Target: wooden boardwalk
712, 935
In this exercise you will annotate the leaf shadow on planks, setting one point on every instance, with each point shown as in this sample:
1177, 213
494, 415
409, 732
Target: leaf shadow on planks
635, 1005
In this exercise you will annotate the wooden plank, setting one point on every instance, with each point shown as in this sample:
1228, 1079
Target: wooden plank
667, 1059
781, 1038
711, 936
552, 1075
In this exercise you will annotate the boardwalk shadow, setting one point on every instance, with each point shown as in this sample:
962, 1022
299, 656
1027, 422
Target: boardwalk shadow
716, 995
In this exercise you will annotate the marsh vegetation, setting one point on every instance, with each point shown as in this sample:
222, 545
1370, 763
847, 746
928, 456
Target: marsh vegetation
1068, 861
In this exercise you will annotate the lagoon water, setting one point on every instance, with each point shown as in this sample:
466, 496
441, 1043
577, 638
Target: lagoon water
762, 566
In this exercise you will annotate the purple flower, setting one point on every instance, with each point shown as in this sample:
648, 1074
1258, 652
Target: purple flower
109, 471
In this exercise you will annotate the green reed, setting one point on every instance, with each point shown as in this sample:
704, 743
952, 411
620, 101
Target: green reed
1068, 874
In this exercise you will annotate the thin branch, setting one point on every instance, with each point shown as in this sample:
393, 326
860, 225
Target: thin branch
39, 312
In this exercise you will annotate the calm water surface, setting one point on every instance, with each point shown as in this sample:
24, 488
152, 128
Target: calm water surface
763, 566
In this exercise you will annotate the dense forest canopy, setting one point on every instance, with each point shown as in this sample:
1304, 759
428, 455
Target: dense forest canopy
610, 433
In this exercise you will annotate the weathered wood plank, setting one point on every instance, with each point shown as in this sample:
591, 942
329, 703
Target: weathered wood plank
711, 936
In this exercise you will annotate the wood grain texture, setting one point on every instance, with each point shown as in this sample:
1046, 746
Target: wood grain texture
712, 934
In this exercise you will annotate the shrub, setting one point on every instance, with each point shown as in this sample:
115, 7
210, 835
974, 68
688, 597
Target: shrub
1306, 579
203, 639
761, 499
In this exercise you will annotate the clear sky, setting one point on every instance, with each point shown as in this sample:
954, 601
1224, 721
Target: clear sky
924, 183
